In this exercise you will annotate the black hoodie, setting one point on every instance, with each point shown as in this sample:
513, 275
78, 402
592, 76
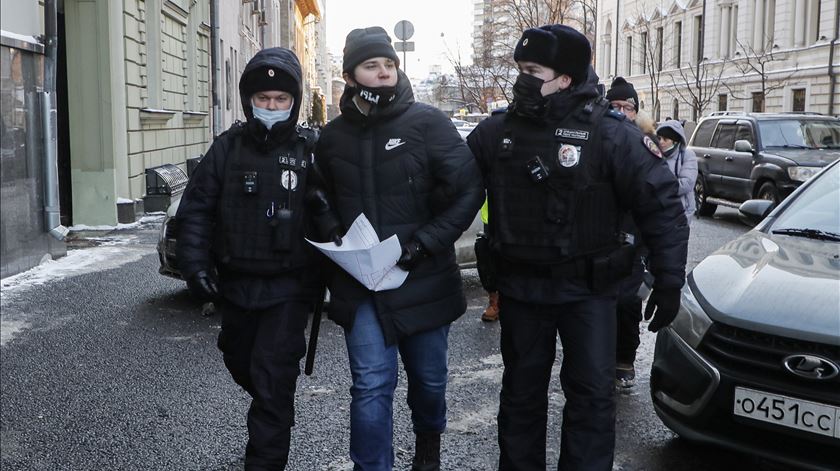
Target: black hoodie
199, 206
286, 61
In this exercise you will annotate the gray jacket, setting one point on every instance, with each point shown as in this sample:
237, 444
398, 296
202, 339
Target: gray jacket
683, 163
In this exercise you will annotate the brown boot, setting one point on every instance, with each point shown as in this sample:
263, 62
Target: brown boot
491, 314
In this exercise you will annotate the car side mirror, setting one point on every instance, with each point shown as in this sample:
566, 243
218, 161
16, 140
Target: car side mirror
753, 211
743, 145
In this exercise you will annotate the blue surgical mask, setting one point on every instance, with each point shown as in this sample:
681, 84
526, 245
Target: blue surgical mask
269, 118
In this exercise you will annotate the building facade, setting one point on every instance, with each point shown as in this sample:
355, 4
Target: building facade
131, 85
28, 183
689, 58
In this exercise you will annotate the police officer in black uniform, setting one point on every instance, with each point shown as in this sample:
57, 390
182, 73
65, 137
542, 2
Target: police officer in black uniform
242, 221
561, 169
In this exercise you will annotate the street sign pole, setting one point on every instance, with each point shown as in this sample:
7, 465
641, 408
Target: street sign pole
404, 30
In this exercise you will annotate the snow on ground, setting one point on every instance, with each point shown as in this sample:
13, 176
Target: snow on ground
113, 251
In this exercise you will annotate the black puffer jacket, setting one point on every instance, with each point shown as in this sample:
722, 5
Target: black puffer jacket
407, 169
199, 212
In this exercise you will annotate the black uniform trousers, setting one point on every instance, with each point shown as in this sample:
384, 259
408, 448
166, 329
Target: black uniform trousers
629, 315
262, 350
528, 340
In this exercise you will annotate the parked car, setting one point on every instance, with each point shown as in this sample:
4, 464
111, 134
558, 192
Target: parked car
759, 155
168, 241
752, 360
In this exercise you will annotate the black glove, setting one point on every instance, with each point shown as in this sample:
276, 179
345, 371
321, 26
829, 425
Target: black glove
203, 286
666, 302
412, 253
325, 221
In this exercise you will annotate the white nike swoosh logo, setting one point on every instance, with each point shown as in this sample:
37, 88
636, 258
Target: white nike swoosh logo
392, 145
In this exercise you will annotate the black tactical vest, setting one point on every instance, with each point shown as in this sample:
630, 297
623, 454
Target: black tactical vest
262, 209
550, 200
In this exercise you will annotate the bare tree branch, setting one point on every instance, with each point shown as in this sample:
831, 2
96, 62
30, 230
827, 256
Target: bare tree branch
697, 84
757, 62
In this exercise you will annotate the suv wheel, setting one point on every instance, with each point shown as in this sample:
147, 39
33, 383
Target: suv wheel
703, 208
768, 191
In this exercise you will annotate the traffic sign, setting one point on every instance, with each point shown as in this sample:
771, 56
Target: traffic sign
404, 46
404, 30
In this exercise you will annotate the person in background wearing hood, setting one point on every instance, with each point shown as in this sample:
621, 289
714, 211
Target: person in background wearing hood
242, 221
562, 168
405, 167
681, 160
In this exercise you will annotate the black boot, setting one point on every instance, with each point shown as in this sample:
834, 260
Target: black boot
426, 452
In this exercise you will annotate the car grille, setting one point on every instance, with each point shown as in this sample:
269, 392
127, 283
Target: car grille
759, 356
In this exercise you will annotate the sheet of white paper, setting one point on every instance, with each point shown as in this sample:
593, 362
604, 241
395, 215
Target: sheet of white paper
365, 258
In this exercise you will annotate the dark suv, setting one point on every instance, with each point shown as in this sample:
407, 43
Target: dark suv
759, 155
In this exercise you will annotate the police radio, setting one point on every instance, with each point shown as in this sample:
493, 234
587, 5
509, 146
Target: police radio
537, 169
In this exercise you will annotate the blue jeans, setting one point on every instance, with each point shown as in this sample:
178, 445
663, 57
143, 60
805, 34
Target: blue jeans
374, 368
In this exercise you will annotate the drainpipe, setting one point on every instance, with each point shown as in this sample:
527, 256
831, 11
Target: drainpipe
52, 210
215, 66
832, 75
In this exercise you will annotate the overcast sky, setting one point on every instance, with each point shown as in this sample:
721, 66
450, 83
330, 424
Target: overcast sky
439, 25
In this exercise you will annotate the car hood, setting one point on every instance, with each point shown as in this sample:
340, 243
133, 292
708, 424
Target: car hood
776, 284
815, 157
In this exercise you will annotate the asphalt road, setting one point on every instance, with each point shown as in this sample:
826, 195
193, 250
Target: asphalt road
105, 364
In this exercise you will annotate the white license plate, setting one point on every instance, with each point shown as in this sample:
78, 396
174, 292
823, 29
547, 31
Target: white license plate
788, 412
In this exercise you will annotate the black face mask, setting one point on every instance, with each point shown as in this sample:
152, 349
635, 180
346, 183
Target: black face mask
377, 96
527, 96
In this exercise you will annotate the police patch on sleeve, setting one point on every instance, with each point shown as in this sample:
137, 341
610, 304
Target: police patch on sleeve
651, 146
289, 180
568, 155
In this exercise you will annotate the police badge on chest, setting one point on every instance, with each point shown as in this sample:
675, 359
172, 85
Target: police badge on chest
568, 155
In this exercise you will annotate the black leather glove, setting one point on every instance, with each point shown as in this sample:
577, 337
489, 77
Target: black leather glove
203, 286
666, 303
412, 253
326, 223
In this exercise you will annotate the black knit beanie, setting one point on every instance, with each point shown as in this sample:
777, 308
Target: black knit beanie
563, 49
670, 133
363, 43
621, 89
267, 78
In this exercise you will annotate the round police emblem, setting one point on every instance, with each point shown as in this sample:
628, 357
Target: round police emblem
271, 72
289, 180
568, 155
652, 147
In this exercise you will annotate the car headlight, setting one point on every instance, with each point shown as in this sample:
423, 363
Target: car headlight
691, 322
801, 174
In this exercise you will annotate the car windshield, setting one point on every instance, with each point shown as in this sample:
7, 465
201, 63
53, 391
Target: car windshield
801, 133
815, 213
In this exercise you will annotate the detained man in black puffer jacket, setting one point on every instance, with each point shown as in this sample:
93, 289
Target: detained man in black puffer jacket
241, 222
405, 167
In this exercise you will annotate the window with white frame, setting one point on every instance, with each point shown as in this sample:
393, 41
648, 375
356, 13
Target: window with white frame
698, 39
764, 24
644, 46
798, 96
806, 22
660, 37
628, 66
678, 44
154, 82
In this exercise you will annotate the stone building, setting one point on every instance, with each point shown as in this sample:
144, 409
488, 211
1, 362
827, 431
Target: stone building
700, 56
